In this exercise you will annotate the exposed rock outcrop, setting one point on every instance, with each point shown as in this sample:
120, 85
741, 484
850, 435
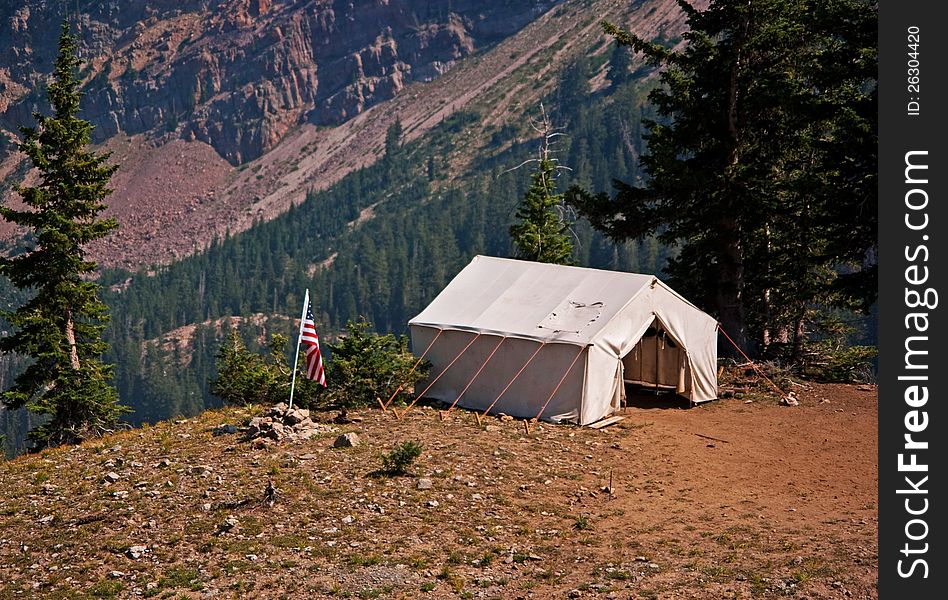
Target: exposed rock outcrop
239, 74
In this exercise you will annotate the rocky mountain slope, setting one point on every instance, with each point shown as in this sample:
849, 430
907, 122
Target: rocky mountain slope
223, 114
239, 74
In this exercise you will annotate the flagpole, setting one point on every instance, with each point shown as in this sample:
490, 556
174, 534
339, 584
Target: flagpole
299, 339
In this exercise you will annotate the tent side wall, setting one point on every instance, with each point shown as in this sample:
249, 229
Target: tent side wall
526, 395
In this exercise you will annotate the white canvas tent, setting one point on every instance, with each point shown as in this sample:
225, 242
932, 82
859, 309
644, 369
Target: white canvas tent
574, 335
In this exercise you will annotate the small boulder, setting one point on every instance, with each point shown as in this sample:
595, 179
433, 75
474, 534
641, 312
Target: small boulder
425, 483
225, 430
111, 477
229, 524
277, 431
347, 440
297, 415
136, 552
790, 400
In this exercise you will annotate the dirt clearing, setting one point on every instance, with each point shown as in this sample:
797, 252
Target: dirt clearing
729, 499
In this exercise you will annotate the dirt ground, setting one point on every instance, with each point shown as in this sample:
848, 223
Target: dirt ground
738, 498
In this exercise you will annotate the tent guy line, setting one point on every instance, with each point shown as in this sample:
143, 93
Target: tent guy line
484, 364
421, 395
752, 363
415, 366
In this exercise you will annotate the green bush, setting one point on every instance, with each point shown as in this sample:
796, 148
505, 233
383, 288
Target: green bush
831, 357
245, 377
398, 460
830, 362
365, 366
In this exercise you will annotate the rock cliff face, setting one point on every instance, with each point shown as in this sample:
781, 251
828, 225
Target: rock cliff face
240, 74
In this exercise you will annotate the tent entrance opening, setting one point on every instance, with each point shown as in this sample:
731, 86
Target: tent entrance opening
656, 363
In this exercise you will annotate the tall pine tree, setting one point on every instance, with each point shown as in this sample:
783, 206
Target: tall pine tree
60, 329
542, 235
762, 168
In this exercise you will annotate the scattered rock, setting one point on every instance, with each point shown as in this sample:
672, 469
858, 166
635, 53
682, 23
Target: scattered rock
225, 430
111, 477
425, 483
348, 519
790, 400
280, 424
574, 593
431, 503
136, 552
116, 574
296, 416
347, 440
229, 524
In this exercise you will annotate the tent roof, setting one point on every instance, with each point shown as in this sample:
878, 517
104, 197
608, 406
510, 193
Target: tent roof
533, 300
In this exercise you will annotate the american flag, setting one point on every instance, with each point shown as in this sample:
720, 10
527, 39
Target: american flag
310, 340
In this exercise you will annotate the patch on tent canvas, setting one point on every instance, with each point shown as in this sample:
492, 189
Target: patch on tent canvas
571, 316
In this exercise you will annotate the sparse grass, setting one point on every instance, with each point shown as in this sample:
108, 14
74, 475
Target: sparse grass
363, 560
106, 588
582, 523
466, 545
181, 577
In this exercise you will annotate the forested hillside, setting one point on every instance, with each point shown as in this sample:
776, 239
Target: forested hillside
379, 245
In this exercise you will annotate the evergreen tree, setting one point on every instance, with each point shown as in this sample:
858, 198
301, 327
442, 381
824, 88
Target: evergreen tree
767, 143
541, 235
61, 327
620, 66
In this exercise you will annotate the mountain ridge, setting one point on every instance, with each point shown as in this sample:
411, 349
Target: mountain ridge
196, 196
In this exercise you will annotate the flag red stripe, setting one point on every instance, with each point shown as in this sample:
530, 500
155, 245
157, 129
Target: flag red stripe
310, 339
